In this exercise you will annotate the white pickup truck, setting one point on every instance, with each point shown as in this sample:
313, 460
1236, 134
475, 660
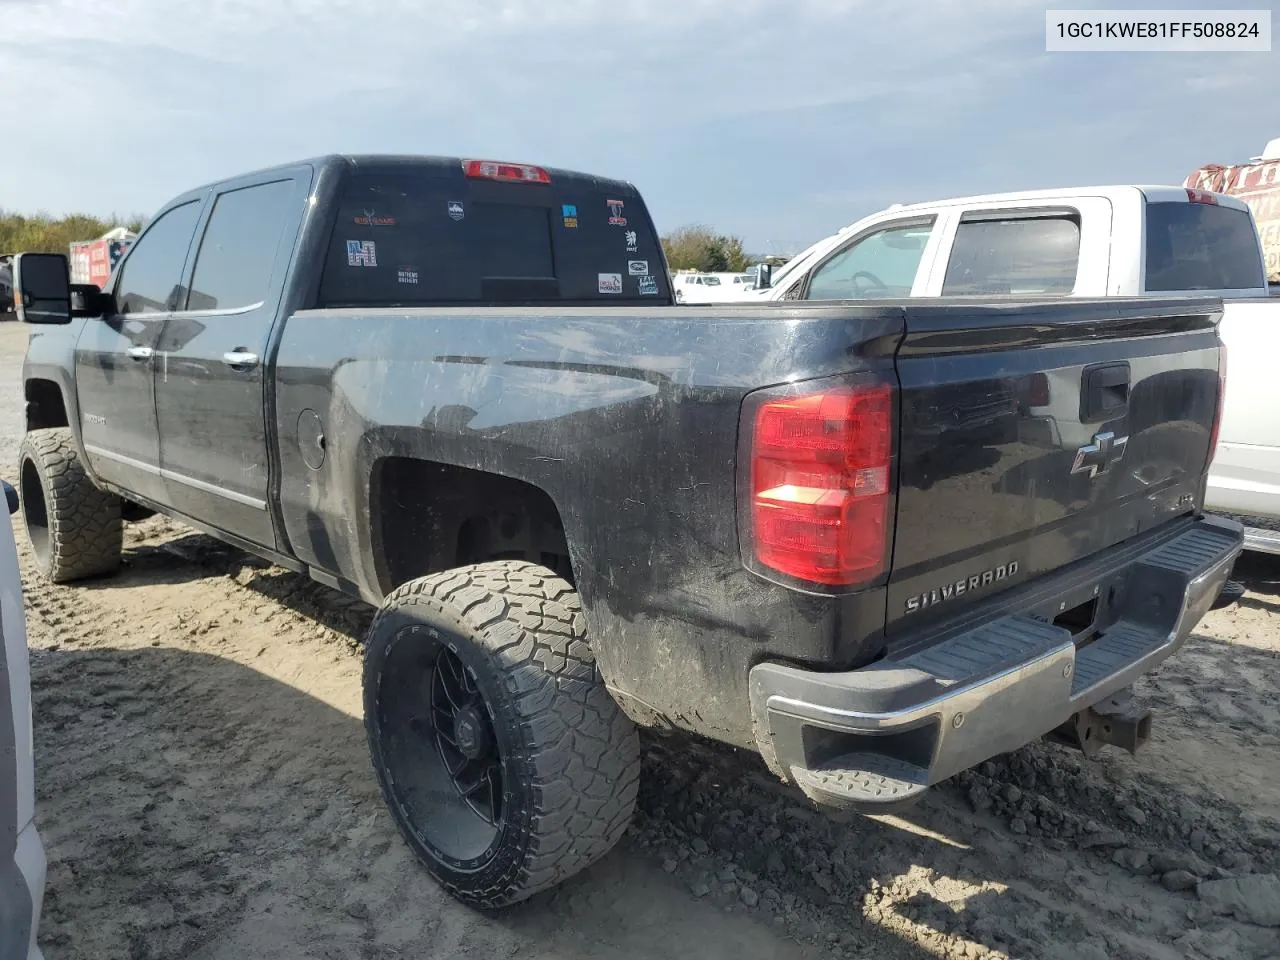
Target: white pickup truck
1119, 241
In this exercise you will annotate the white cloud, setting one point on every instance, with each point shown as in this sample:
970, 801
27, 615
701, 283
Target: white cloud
850, 42
757, 115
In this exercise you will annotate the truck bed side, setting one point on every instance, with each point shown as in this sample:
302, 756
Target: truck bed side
625, 420
614, 437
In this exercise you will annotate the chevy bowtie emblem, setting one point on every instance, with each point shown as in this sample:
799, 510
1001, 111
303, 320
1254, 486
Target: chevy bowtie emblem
1097, 457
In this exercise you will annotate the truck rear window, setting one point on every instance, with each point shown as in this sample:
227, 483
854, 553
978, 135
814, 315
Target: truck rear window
1201, 246
435, 237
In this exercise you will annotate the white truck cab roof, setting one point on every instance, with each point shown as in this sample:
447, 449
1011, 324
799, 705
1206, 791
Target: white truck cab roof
1118, 240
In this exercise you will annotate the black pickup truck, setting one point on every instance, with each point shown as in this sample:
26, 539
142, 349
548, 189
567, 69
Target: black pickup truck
847, 535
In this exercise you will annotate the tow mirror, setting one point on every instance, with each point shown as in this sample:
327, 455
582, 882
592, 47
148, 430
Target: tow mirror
42, 288
764, 276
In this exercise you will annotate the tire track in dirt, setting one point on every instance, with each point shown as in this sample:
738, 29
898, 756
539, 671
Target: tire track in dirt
1040, 853
204, 790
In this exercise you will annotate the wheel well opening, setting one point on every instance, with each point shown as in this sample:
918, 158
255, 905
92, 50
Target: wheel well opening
45, 407
430, 516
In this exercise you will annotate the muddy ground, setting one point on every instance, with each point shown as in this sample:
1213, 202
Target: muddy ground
204, 792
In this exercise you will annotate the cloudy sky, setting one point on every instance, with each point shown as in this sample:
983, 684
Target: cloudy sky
779, 121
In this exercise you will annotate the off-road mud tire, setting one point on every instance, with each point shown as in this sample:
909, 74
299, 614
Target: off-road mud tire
570, 758
74, 527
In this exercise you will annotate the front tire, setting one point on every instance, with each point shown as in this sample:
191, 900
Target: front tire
505, 762
74, 527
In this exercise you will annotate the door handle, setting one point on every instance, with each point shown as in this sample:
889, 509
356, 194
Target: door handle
240, 358
141, 353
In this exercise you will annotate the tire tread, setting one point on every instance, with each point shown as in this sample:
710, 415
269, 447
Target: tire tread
85, 530
582, 754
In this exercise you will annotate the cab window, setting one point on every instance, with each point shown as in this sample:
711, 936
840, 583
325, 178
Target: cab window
876, 266
238, 251
1201, 246
1013, 253
150, 281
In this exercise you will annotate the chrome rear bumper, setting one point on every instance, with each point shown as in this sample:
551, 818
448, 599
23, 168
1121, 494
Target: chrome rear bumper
878, 737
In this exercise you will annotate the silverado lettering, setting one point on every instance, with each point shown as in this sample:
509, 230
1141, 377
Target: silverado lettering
960, 587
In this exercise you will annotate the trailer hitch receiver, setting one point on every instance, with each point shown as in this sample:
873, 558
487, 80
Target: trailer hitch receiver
1118, 720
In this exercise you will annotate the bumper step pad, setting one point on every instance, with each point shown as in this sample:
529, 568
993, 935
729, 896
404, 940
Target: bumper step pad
986, 650
1123, 644
858, 780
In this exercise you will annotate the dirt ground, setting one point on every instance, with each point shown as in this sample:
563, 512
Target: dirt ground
204, 792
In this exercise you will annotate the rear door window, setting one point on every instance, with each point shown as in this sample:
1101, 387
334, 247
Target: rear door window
1014, 253
431, 236
880, 265
1201, 246
238, 250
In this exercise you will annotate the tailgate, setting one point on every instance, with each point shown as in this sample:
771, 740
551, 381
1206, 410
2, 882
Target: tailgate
1035, 434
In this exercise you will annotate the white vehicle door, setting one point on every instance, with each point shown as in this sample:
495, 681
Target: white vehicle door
1031, 247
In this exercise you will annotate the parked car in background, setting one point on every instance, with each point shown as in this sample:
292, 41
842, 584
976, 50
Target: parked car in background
1118, 241
708, 288
22, 859
696, 288
461, 391
736, 285
6, 285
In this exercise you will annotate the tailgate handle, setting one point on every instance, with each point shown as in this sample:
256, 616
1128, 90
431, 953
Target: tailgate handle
1104, 392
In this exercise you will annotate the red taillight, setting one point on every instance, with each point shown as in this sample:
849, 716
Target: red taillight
820, 474
509, 172
1222, 399
1201, 196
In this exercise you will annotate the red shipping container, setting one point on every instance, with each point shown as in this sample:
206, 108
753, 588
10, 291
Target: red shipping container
93, 260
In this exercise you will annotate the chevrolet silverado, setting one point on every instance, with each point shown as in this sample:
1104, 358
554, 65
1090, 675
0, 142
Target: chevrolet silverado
845, 535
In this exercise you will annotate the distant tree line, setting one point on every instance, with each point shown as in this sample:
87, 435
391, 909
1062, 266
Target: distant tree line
41, 233
700, 248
